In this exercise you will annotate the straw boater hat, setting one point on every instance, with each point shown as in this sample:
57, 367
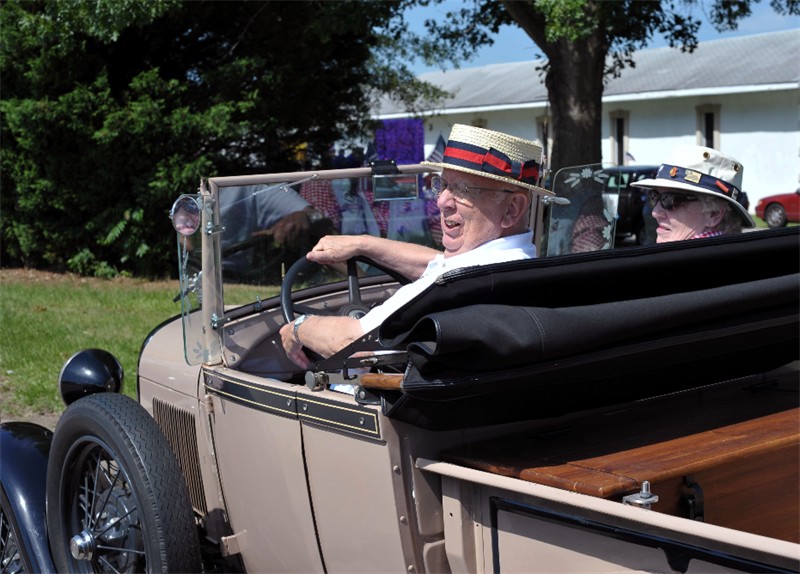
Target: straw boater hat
494, 155
697, 169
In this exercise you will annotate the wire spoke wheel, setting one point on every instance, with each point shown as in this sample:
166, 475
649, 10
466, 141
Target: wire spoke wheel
10, 556
116, 499
103, 512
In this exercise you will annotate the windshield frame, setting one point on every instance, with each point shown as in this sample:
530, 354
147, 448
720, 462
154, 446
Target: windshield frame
215, 311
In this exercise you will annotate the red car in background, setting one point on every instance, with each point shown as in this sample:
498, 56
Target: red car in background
778, 210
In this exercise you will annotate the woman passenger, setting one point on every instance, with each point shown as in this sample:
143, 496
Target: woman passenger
694, 195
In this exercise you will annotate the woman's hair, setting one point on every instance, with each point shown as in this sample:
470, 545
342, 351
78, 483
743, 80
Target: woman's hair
731, 222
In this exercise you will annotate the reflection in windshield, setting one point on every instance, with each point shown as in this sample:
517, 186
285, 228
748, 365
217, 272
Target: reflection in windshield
587, 222
249, 214
269, 227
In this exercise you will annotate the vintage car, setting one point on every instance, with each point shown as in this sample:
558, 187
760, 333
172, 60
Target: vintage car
609, 411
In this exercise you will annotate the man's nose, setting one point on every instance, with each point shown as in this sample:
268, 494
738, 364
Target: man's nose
445, 198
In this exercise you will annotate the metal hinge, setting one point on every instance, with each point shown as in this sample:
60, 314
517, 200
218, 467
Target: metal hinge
217, 321
208, 405
693, 497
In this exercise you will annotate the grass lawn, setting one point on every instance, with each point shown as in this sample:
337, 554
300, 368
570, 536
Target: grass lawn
47, 317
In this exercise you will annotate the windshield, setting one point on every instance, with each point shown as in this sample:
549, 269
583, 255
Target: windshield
264, 227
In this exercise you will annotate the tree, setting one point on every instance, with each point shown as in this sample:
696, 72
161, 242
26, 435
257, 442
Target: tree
584, 42
112, 108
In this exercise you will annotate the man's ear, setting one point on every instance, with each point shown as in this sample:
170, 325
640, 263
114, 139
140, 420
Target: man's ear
714, 217
516, 208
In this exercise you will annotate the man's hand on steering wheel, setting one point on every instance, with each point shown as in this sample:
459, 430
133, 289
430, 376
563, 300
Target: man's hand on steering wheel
352, 310
336, 249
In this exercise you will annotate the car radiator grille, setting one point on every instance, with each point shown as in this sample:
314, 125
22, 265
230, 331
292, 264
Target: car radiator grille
178, 426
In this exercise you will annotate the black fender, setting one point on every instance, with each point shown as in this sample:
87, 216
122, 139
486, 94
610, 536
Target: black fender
25, 448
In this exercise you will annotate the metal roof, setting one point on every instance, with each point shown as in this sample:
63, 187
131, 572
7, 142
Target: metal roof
746, 63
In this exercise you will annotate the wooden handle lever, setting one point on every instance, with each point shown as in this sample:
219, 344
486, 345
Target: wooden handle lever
390, 381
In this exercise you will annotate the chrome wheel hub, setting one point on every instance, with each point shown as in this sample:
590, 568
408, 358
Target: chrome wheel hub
82, 546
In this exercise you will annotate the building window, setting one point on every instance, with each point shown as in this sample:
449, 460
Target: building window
619, 137
708, 125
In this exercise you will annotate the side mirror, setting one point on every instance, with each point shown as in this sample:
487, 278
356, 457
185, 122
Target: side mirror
185, 215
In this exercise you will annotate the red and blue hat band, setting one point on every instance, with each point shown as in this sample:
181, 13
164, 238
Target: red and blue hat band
490, 161
707, 182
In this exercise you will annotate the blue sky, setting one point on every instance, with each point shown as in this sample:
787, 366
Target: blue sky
513, 45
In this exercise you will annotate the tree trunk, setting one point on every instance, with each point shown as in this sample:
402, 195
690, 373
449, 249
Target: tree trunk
574, 84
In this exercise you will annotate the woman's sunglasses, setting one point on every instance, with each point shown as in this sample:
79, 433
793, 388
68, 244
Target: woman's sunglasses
669, 200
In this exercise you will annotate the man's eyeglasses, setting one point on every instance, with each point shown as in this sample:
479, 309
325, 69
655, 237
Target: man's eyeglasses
669, 200
462, 193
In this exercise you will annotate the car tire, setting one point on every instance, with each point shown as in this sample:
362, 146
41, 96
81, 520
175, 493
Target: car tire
116, 500
775, 215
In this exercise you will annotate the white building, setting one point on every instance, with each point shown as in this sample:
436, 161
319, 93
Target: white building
738, 95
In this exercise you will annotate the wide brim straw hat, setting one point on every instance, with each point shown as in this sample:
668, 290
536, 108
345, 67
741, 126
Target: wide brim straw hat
698, 169
493, 155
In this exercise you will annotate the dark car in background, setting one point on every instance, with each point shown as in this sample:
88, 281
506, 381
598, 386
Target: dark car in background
778, 210
630, 211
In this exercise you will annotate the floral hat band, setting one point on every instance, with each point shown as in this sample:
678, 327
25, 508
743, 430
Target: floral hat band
707, 182
491, 161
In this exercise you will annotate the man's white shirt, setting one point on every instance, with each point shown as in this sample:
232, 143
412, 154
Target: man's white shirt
511, 248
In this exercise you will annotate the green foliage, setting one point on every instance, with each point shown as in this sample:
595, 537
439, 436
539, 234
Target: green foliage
85, 263
566, 19
112, 108
105, 19
623, 25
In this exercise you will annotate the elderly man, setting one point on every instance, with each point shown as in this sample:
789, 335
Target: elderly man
694, 195
484, 199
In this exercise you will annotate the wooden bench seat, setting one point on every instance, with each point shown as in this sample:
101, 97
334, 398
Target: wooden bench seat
705, 459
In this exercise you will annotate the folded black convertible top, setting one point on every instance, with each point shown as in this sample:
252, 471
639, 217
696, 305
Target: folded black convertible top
545, 337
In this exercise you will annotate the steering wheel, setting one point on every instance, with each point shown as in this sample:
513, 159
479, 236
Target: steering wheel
355, 307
